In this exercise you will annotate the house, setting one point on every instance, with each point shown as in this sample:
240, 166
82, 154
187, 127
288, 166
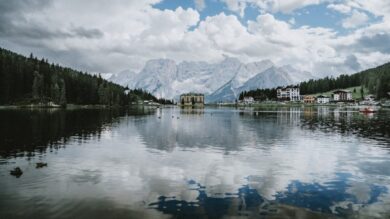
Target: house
321, 99
342, 96
369, 100
369, 97
290, 93
192, 99
248, 100
309, 99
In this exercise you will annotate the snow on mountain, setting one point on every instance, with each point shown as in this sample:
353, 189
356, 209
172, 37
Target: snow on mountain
249, 70
221, 81
297, 75
164, 78
204, 77
124, 78
230, 90
269, 78
156, 77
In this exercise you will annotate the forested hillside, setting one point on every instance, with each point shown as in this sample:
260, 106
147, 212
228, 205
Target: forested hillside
376, 80
259, 94
26, 80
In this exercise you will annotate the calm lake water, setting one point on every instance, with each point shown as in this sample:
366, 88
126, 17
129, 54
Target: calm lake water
206, 163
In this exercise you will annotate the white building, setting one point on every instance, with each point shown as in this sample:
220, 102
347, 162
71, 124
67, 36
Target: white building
322, 99
369, 97
248, 100
290, 93
342, 95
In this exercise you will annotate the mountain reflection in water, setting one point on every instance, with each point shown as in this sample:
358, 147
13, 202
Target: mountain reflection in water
282, 162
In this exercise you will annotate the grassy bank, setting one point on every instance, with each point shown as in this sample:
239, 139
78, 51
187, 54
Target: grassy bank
356, 92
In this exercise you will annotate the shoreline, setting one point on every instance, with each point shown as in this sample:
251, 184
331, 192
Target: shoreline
277, 105
228, 105
78, 106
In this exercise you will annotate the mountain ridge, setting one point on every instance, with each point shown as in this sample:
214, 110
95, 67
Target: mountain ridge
221, 81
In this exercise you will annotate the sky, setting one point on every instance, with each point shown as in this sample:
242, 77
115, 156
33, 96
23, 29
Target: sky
321, 36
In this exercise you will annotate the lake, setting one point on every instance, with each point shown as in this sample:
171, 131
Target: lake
282, 162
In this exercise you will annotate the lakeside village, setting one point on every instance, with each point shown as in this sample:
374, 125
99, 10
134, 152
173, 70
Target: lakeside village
291, 94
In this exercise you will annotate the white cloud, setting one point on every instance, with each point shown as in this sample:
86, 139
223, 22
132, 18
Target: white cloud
376, 7
355, 20
345, 9
130, 30
285, 6
200, 4
236, 6
120, 35
292, 21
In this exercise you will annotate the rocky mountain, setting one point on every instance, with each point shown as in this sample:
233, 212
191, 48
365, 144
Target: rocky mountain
123, 78
296, 75
157, 77
221, 81
270, 77
230, 90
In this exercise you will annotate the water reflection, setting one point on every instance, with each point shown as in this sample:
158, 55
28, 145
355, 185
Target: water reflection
287, 162
347, 122
23, 132
304, 199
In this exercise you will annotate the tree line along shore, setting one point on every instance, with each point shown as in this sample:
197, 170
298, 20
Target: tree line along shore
33, 82
374, 81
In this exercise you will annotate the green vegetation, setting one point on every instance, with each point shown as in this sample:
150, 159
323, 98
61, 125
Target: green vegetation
371, 81
27, 80
139, 95
374, 81
259, 94
356, 92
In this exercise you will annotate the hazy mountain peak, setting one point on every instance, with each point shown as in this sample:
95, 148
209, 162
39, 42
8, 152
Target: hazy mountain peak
265, 62
295, 74
223, 80
159, 64
249, 70
230, 61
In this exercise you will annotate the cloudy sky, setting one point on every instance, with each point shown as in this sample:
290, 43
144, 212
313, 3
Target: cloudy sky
322, 36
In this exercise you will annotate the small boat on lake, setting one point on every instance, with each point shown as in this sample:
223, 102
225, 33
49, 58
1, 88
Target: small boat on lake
368, 110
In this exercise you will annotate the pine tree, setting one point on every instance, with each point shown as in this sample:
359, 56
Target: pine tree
102, 94
62, 99
55, 89
37, 87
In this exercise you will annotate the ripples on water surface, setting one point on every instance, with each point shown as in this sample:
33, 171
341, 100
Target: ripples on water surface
206, 163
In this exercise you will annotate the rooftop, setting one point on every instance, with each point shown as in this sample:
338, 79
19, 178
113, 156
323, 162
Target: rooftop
288, 87
192, 94
322, 96
342, 91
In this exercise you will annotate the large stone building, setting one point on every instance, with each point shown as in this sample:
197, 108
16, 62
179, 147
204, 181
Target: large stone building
192, 99
290, 93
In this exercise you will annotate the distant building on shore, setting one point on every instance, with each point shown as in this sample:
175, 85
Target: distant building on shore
290, 93
369, 97
321, 99
192, 99
342, 96
248, 100
309, 99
